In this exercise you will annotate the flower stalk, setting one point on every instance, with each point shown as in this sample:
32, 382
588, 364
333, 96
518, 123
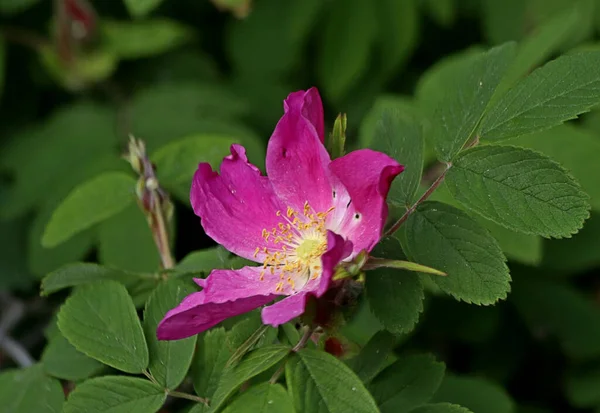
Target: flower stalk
152, 199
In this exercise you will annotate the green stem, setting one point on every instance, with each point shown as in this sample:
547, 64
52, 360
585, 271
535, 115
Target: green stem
150, 377
308, 332
277, 374
161, 238
187, 396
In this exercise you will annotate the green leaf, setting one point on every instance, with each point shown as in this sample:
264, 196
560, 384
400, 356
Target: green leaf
13, 268
115, 394
246, 345
317, 381
44, 260
177, 161
401, 265
16, 6
519, 189
540, 45
125, 241
256, 53
516, 245
575, 149
171, 111
443, 237
29, 390
396, 298
100, 320
473, 82
46, 146
582, 388
263, 398
479, 395
363, 325
339, 67
398, 25
211, 356
559, 311
551, 95
393, 128
169, 360
374, 356
60, 359
442, 11
88, 204
80, 273
253, 364
408, 383
336, 145
134, 40
441, 408
2, 63
430, 89
203, 260
503, 21
216, 349
141, 8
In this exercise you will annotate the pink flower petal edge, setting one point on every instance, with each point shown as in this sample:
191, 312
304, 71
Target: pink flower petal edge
228, 293
367, 176
235, 206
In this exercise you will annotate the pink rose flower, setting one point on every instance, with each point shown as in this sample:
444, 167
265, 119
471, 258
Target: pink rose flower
300, 221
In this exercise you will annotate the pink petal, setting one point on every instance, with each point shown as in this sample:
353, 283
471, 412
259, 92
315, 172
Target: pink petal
367, 175
297, 162
237, 205
285, 310
226, 293
309, 103
195, 315
230, 285
337, 250
293, 306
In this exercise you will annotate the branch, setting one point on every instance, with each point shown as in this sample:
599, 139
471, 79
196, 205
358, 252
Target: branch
152, 199
423, 197
16, 351
11, 316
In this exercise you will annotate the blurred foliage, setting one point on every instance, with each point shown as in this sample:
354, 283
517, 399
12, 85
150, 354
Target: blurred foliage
191, 77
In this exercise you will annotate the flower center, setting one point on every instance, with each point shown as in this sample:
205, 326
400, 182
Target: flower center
309, 249
295, 247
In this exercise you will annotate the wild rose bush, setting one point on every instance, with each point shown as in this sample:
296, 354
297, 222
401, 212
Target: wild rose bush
200, 248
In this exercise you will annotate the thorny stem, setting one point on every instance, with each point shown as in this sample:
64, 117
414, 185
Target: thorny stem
423, 197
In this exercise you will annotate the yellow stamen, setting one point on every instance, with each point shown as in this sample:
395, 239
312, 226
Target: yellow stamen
295, 247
